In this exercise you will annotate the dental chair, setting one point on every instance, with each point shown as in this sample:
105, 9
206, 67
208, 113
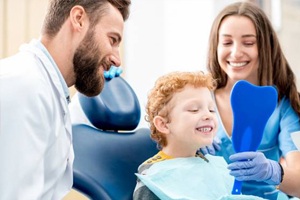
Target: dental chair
108, 152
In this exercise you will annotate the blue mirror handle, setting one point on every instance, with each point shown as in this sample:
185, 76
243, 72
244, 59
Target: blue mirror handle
237, 187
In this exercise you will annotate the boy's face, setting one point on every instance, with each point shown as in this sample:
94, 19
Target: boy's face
193, 121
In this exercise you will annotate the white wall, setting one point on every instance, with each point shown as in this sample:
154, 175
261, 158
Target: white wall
165, 35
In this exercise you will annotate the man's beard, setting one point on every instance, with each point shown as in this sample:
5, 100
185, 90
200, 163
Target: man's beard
88, 79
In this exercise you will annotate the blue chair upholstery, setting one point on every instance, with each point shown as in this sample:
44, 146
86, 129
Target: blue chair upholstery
108, 154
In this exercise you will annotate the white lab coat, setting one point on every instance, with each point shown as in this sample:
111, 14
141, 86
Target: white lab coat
36, 152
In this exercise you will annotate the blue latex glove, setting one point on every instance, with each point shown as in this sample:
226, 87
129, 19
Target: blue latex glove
211, 149
254, 166
113, 72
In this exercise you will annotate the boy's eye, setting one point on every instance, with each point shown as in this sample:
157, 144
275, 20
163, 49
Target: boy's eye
212, 110
193, 110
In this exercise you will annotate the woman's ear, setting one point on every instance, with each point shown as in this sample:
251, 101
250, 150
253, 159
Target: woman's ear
161, 124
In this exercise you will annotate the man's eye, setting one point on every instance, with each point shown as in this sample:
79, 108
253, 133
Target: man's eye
113, 40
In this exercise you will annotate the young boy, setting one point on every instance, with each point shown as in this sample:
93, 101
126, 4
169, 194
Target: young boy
182, 118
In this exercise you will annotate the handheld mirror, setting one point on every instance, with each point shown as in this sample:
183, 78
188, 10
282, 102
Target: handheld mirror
251, 106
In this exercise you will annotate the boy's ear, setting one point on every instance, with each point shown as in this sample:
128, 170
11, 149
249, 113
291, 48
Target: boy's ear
161, 124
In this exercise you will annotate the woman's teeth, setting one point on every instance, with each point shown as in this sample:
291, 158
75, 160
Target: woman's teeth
238, 64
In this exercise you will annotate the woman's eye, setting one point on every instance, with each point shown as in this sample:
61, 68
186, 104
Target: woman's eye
226, 43
249, 44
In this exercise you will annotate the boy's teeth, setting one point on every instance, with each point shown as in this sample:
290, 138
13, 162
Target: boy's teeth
205, 129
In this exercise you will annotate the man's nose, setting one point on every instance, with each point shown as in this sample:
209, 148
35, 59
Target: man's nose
115, 58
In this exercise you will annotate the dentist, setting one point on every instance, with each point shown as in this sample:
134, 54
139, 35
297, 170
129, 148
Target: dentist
79, 41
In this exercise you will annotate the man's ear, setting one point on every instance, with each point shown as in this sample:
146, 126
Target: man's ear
78, 18
161, 124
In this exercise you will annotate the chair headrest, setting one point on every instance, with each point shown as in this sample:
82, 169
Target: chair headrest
115, 108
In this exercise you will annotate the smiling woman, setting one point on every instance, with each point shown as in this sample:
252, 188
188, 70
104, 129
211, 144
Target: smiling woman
243, 45
237, 48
